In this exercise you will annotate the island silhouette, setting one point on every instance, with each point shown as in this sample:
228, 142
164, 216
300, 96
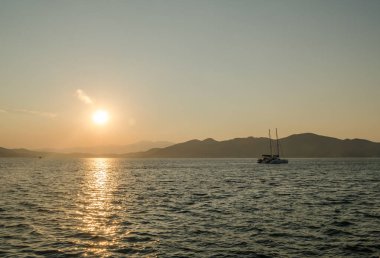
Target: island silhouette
305, 145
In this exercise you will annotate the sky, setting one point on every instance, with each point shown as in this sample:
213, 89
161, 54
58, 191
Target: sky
178, 70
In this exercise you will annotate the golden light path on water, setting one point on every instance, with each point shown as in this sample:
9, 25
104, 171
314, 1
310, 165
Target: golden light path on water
108, 215
99, 221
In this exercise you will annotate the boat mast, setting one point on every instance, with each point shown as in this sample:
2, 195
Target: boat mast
278, 146
270, 144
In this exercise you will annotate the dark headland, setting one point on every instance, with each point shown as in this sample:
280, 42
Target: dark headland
306, 145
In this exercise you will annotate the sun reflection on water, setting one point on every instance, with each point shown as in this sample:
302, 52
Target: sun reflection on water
98, 224
100, 173
107, 211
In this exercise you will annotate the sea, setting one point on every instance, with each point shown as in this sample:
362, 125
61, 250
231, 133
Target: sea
101, 207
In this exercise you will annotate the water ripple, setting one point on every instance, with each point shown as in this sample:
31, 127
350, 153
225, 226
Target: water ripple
189, 207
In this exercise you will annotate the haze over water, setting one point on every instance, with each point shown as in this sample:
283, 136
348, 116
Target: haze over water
189, 207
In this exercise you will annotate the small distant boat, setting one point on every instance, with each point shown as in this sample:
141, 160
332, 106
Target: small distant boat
272, 158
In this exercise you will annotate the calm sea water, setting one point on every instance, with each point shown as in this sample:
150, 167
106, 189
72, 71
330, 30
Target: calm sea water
189, 208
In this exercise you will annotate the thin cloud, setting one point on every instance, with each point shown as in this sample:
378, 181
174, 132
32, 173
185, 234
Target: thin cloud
82, 96
29, 112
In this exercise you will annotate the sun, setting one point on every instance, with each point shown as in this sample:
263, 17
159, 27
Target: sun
100, 117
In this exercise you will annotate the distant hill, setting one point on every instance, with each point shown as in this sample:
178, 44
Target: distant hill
306, 145
113, 149
298, 145
24, 153
19, 153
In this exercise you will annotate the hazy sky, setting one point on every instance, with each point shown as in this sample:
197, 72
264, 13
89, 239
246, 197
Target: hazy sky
178, 70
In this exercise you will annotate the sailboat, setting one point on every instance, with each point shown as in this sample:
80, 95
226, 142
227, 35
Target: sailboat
272, 158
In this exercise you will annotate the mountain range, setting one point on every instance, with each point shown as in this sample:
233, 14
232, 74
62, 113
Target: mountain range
306, 145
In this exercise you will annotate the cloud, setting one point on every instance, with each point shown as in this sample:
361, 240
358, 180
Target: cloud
82, 96
28, 111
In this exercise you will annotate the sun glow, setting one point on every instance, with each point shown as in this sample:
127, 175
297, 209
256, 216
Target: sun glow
100, 117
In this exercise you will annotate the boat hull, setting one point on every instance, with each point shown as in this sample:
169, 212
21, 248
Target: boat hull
272, 160
279, 161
